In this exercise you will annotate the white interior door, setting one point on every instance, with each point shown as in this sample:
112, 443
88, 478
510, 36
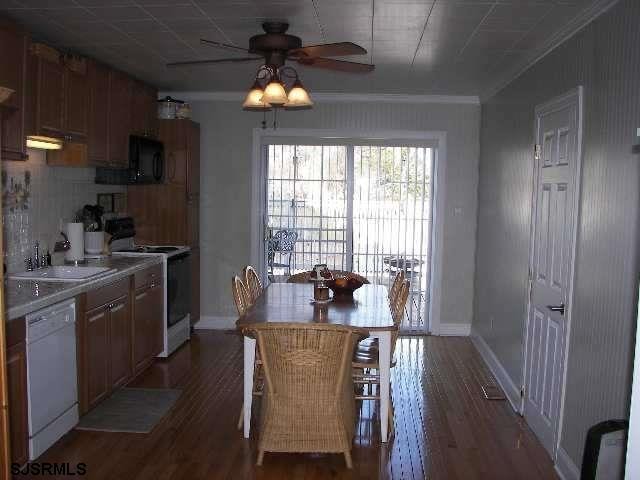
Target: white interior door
553, 239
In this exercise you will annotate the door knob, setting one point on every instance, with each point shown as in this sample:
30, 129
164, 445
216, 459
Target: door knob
557, 308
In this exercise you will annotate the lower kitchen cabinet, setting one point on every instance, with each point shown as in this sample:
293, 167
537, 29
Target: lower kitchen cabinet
94, 369
17, 388
104, 342
120, 341
148, 323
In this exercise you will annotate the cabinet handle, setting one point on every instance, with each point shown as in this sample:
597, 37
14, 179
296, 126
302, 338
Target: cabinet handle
116, 307
141, 295
95, 317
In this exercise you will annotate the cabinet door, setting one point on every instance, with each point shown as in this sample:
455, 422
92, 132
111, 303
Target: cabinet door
193, 160
141, 319
77, 105
119, 118
17, 386
96, 373
193, 221
195, 285
98, 144
148, 322
51, 101
120, 341
13, 54
143, 114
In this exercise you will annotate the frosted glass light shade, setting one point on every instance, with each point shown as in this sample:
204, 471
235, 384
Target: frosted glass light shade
253, 101
299, 98
44, 143
274, 94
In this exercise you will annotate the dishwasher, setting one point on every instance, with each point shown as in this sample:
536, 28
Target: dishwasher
52, 385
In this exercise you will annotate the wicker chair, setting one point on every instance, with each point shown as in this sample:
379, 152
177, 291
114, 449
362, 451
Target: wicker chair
253, 283
305, 277
308, 403
240, 295
366, 363
242, 300
395, 286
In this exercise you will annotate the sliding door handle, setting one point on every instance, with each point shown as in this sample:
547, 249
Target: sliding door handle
557, 308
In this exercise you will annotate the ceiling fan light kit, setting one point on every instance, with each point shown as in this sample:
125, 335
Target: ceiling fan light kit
275, 47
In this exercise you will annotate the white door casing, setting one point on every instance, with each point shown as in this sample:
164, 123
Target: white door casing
554, 220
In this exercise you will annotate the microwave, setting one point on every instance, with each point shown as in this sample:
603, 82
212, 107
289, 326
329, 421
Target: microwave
146, 164
146, 160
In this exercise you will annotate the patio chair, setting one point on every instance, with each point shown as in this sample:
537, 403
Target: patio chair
308, 403
282, 243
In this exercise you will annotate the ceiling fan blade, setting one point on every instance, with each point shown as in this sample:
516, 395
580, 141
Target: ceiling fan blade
340, 49
339, 65
210, 62
222, 45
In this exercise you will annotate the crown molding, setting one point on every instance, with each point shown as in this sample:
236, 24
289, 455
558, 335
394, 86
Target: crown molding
333, 97
572, 27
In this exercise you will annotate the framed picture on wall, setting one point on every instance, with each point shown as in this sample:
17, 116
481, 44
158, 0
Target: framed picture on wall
105, 200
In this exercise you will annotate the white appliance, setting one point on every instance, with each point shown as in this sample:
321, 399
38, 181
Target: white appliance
177, 279
52, 379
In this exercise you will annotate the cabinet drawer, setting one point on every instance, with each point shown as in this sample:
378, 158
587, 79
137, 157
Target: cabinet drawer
103, 295
148, 276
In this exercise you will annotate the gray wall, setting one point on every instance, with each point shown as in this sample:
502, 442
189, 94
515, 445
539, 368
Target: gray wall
226, 187
605, 58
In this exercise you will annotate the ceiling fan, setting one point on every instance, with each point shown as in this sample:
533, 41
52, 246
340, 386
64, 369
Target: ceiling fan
275, 46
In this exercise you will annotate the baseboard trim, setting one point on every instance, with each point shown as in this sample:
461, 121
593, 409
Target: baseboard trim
215, 322
565, 468
454, 330
508, 387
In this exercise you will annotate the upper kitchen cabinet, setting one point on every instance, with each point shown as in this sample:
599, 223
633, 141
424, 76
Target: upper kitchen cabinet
144, 110
98, 114
120, 96
13, 54
58, 84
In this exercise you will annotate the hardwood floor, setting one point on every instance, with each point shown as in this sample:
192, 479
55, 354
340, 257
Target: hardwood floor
445, 429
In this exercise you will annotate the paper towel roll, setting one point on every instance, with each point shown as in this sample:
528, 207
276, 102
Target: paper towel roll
75, 233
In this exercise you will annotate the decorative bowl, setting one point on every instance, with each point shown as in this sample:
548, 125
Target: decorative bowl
345, 286
5, 93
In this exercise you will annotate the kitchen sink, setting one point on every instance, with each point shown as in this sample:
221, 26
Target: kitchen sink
63, 274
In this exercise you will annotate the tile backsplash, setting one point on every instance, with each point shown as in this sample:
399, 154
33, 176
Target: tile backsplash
37, 199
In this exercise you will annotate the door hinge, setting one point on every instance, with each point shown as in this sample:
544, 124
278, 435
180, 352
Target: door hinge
536, 151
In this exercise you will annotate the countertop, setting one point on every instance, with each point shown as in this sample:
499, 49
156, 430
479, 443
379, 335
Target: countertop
23, 297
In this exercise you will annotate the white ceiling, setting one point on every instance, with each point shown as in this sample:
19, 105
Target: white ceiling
419, 46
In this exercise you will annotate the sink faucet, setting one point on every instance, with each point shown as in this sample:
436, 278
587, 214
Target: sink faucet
62, 246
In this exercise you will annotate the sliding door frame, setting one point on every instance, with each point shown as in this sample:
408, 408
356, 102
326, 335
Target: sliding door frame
435, 139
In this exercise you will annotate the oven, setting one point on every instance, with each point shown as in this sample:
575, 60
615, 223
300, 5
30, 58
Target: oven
178, 287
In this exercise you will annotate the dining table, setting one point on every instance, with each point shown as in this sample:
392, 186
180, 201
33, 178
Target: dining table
367, 312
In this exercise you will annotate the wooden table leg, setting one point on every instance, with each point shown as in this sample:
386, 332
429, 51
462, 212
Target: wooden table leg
249, 359
384, 352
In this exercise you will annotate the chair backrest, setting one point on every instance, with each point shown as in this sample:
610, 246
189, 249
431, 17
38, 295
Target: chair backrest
240, 295
283, 241
305, 363
305, 277
395, 286
400, 302
252, 282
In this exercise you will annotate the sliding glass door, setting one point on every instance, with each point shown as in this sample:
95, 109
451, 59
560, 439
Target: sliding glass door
355, 207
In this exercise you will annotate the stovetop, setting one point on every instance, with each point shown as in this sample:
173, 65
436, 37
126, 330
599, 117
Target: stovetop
150, 249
